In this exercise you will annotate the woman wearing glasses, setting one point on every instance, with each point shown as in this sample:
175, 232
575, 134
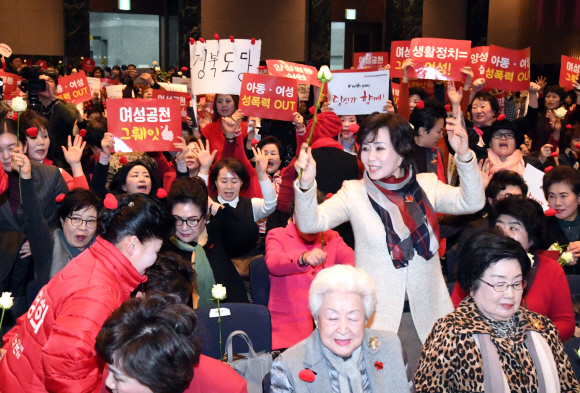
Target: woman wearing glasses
490, 343
503, 140
202, 244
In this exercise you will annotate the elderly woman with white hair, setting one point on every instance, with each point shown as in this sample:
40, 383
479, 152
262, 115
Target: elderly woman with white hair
341, 355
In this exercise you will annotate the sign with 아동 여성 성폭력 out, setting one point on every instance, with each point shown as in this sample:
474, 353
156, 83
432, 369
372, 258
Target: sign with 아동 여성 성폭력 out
269, 97
218, 66
478, 61
358, 93
507, 69
144, 124
74, 88
440, 59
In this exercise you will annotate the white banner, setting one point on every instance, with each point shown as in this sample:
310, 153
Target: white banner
533, 178
218, 66
358, 93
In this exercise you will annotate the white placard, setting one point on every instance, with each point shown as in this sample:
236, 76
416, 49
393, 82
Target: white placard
95, 85
5, 50
219, 66
533, 178
213, 313
115, 91
358, 93
180, 80
173, 87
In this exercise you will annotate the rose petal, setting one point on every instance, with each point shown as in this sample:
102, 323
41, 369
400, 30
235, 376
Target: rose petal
306, 375
83, 132
548, 169
353, 128
123, 160
550, 212
161, 193
32, 132
110, 202
420, 104
253, 41
59, 198
501, 117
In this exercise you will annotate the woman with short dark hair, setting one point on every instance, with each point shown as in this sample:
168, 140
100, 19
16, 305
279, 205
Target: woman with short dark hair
135, 177
392, 213
490, 343
52, 348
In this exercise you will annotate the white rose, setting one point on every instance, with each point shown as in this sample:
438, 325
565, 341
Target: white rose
531, 259
179, 73
74, 71
554, 247
218, 292
324, 75
157, 69
18, 104
154, 63
566, 257
6, 301
82, 58
560, 112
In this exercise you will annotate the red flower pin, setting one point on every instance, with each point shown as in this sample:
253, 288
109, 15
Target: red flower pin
420, 104
123, 160
501, 117
59, 198
32, 132
307, 375
409, 198
161, 193
110, 202
379, 365
353, 128
550, 212
82, 133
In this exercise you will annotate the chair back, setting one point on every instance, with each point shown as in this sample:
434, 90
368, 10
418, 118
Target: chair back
260, 281
253, 319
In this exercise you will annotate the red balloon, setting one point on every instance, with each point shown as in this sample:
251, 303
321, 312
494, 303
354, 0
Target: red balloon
306, 375
550, 212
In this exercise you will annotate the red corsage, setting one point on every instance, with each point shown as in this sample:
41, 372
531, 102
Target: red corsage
550, 212
110, 202
161, 193
59, 198
379, 365
32, 132
307, 375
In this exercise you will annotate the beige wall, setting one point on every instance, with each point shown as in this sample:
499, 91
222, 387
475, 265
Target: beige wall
280, 24
33, 26
504, 23
444, 19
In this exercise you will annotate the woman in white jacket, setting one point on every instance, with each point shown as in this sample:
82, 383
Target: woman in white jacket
392, 213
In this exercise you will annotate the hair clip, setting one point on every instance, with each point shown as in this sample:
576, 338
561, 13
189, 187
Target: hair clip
82, 133
131, 204
412, 126
32, 132
353, 128
191, 41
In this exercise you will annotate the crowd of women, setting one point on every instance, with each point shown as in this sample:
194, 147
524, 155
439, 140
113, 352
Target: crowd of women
107, 255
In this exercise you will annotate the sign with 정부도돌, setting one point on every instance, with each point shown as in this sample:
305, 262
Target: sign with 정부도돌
218, 66
269, 97
144, 124
358, 93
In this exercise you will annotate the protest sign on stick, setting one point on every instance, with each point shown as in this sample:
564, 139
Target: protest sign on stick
400, 52
302, 73
144, 124
358, 93
10, 84
74, 88
440, 59
569, 70
269, 97
508, 69
370, 60
478, 61
218, 66
184, 99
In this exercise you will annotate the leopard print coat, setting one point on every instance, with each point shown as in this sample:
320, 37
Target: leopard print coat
451, 360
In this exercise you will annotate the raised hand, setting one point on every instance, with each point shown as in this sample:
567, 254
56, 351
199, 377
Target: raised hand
469, 72
454, 95
261, 163
73, 154
477, 85
484, 171
541, 81
204, 156
406, 64
107, 144
238, 116
305, 162
389, 108
298, 121
457, 136
183, 149
230, 127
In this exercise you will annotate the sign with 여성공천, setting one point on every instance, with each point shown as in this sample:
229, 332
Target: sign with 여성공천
358, 93
218, 66
144, 124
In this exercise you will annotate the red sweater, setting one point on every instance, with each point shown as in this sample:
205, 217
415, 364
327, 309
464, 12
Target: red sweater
549, 295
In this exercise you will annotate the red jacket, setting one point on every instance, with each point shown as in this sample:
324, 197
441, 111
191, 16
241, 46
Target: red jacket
209, 375
290, 283
52, 347
549, 295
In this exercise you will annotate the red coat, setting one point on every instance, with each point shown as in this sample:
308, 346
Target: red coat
549, 296
290, 283
52, 347
210, 375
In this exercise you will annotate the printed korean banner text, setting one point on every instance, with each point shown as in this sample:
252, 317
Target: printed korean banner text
569, 70
269, 97
302, 73
74, 88
440, 59
358, 93
370, 60
508, 69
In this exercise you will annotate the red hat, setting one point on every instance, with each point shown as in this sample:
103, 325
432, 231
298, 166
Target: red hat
328, 125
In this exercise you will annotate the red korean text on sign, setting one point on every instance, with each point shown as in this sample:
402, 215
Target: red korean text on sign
440, 59
269, 97
478, 61
400, 50
184, 99
10, 85
74, 88
508, 69
569, 70
370, 60
144, 124
302, 73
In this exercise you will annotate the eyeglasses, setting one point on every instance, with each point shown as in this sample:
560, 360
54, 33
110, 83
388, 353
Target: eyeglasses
77, 222
498, 135
191, 222
504, 286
